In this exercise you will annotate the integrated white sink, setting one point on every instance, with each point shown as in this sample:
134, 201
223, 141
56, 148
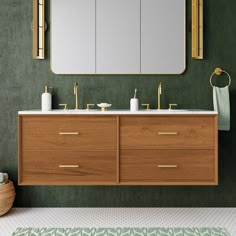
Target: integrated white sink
73, 110
165, 110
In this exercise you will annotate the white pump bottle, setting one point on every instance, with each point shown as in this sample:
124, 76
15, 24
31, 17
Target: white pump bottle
46, 100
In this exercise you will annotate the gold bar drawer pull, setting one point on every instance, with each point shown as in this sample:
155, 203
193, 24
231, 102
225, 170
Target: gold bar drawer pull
167, 166
68, 133
68, 166
167, 133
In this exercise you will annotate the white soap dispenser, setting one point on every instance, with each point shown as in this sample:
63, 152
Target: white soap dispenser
46, 100
134, 104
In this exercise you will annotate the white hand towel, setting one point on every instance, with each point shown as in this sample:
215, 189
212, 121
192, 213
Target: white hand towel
221, 104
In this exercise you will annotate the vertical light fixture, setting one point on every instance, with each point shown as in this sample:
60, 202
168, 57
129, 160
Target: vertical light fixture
38, 27
197, 29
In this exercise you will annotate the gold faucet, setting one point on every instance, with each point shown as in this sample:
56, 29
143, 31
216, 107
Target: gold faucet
159, 96
76, 89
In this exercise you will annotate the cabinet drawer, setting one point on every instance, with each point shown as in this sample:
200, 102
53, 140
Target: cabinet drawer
67, 167
68, 133
170, 132
168, 167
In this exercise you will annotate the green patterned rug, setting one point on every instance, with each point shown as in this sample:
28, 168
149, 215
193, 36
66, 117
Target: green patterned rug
160, 231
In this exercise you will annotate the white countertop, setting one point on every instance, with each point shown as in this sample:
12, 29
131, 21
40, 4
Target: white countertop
119, 112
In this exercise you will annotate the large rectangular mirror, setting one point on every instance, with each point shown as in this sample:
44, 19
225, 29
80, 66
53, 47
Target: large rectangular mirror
118, 36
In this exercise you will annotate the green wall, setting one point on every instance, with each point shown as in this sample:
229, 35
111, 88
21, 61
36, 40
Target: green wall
22, 80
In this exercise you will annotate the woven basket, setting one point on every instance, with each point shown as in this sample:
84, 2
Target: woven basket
7, 197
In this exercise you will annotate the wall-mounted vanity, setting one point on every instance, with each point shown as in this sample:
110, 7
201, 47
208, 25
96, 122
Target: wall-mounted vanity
178, 147
118, 36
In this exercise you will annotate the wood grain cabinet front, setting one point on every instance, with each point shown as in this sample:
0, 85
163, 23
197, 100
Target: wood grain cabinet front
118, 150
168, 167
67, 150
169, 150
68, 133
168, 132
68, 167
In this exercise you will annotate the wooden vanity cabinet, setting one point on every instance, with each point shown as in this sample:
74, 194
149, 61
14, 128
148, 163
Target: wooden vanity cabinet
118, 150
67, 150
168, 150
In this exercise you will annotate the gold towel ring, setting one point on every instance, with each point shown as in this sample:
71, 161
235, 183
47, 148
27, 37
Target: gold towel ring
219, 71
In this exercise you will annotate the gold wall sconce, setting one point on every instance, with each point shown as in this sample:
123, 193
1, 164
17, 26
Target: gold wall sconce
39, 27
197, 29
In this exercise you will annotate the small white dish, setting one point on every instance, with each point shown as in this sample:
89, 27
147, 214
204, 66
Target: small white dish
104, 106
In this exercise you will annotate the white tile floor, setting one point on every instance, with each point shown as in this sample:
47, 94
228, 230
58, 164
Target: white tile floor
118, 217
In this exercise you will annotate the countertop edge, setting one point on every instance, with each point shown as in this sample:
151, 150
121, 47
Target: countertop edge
118, 112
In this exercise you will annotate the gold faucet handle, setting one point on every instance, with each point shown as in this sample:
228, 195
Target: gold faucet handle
172, 105
64, 105
88, 106
147, 105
